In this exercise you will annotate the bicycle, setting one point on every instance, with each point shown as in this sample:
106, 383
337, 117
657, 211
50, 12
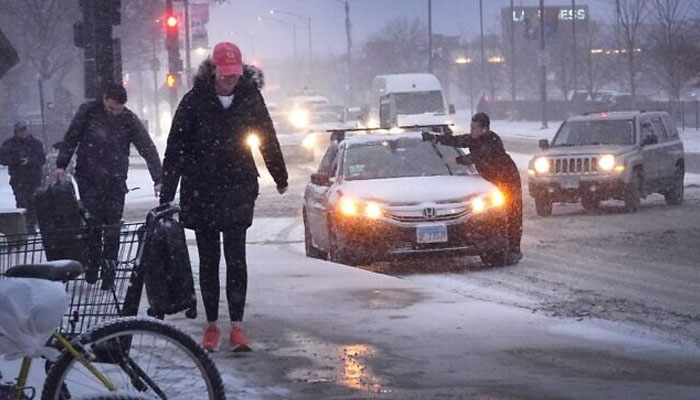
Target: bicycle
104, 346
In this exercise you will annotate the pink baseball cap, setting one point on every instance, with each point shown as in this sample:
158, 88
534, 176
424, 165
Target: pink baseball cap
227, 58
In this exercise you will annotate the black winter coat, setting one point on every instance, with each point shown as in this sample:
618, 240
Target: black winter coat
488, 155
104, 143
13, 152
208, 155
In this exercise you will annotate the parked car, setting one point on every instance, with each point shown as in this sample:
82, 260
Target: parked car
377, 197
617, 155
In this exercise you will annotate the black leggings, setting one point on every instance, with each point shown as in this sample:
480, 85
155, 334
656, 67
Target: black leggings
209, 246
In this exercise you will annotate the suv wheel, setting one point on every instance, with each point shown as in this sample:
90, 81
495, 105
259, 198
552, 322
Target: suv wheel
590, 202
543, 205
633, 193
495, 259
311, 250
675, 195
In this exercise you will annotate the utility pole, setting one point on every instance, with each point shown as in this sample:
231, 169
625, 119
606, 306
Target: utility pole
188, 50
543, 66
430, 36
348, 33
483, 52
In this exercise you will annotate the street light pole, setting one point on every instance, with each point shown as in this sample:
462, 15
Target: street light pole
308, 25
430, 36
511, 63
573, 32
348, 33
289, 24
481, 34
543, 66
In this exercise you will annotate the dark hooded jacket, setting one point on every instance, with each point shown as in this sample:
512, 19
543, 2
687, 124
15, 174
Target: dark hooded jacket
103, 144
13, 152
488, 155
208, 155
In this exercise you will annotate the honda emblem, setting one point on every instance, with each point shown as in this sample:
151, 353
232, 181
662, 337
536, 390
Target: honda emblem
429, 212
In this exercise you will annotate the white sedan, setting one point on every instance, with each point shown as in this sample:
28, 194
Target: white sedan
378, 197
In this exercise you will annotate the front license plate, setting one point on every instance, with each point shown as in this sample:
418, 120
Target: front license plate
571, 182
431, 234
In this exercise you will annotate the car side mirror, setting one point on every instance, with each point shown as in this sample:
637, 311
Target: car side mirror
320, 179
544, 144
649, 140
451, 109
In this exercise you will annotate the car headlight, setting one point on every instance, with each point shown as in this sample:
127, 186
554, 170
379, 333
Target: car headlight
253, 141
350, 207
606, 162
299, 118
482, 203
309, 142
542, 165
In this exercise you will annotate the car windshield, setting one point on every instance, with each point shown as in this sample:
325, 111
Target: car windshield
403, 157
582, 133
419, 102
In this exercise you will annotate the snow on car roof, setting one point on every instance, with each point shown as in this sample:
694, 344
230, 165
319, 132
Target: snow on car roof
607, 115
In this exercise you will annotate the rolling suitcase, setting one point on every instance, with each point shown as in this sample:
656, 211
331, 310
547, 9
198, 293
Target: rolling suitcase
64, 231
166, 264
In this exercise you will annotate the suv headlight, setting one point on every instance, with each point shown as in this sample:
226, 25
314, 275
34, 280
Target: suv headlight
606, 162
541, 165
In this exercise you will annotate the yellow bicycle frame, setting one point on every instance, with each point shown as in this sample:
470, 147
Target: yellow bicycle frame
65, 344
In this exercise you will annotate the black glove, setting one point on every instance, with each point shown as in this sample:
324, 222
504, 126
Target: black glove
429, 137
465, 159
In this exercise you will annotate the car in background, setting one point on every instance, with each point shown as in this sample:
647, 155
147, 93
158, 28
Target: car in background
624, 155
377, 197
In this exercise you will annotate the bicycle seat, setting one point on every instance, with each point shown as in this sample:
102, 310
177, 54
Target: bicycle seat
59, 270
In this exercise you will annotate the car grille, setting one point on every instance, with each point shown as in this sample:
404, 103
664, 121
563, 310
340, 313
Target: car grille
419, 215
574, 165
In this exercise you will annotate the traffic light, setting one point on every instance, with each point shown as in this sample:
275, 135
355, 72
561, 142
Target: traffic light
171, 80
172, 32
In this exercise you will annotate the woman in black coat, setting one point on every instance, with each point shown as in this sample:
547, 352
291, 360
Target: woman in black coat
207, 152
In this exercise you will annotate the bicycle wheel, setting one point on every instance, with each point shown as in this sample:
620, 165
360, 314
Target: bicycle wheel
140, 356
115, 396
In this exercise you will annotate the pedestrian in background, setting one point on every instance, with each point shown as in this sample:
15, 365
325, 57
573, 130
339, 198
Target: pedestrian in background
103, 131
24, 156
487, 154
208, 155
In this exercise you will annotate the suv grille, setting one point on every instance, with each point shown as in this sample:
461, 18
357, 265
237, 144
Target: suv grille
574, 165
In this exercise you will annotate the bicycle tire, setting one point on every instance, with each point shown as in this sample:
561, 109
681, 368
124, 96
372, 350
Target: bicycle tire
116, 396
168, 351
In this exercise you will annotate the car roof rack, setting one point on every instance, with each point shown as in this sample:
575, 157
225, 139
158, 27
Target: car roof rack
338, 135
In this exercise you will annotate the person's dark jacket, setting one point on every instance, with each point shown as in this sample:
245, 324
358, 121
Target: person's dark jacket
487, 154
25, 159
208, 155
104, 142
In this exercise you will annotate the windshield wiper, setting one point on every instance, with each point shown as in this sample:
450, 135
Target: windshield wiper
449, 170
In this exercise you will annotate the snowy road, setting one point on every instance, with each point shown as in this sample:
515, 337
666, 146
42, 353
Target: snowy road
602, 306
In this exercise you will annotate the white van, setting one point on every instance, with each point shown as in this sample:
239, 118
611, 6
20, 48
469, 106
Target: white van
407, 100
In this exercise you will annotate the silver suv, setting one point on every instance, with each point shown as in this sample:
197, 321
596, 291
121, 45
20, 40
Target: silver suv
616, 155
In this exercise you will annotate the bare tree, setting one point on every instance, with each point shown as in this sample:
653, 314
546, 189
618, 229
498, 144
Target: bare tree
630, 15
673, 50
399, 47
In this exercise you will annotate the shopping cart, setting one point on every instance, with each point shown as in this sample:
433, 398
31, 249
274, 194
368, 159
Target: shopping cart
114, 291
